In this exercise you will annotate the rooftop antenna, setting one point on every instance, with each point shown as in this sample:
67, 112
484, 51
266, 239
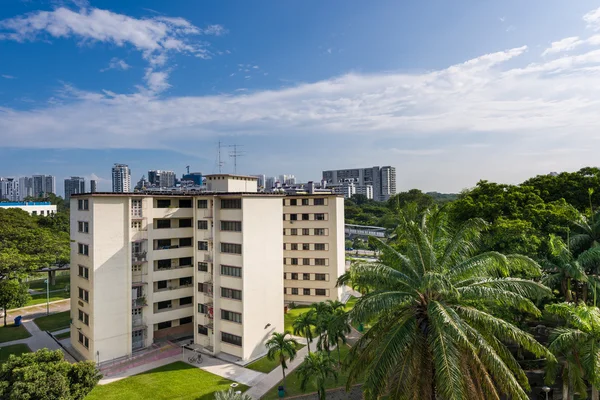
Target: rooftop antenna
187, 167
219, 162
235, 153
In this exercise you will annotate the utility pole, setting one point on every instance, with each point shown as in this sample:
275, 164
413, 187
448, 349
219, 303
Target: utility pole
235, 153
219, 162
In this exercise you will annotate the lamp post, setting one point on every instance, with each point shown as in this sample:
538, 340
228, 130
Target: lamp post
546, 390
47, 282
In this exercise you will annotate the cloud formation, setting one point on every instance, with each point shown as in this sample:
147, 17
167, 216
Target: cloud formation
155, 37
117, 63
7, 76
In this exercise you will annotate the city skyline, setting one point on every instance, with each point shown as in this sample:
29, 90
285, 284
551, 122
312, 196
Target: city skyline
432, 89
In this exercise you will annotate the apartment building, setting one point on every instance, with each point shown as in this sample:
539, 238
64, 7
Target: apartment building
313, 240
156, 266
74, 185
121, 178
382, 179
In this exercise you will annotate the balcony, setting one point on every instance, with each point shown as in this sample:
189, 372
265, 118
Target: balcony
206, 289
138, 257
138, 322
139, 302
208, 258
137, 214
139, 235
173, 213
172, 233
174, 252
164, 274
208, 213
173, 293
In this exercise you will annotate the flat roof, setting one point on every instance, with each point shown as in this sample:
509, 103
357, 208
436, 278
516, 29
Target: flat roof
25, 203
175, 194
232, 176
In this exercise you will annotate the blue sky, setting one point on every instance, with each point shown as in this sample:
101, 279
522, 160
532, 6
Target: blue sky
447, 92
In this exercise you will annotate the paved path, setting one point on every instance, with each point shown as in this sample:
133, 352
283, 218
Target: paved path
39, 310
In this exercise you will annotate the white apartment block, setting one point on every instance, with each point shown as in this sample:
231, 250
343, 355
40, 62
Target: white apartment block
121, 178
313, 247
42, 208
381, 179
9, 189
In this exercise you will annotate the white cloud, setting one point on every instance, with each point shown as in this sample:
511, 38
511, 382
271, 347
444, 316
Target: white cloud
157, 81
565, 44
117, 63
592, 19
155, 37
7, 76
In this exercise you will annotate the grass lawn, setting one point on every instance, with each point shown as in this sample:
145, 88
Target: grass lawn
41, 298
62, 281
12, 332
178, 381
265, 365
292, 381
292, 314
16, 349
63, 335
54, 322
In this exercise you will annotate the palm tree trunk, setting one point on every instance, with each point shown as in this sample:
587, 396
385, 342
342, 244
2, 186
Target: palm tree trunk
283, 381
307, 333
565, 388
568, 291
5, 312
595, 395
339, 355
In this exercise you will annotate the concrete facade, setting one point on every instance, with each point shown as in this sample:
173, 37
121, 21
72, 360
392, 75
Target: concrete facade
43, 208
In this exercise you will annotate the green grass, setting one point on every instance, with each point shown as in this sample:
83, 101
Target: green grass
265, 365
16, 349
54, 322
292, 381
63, 335
41, 298
292, 314
62, 281
179, 381
12, 332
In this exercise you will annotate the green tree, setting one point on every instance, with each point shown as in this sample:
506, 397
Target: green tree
282, 348
577, 346
315, 369
435, 335
46, 375
322, 312
13, 294
400, 200
231, 395
586, 232
337, 329
304, 324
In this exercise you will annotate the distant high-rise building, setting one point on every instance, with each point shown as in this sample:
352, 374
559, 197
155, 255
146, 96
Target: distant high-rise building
74, 185
287, 179
270, 183
121, 178
43, 185
382, 179
25, 187
161, 178
93, 186
9, 189
195, 177
261, 180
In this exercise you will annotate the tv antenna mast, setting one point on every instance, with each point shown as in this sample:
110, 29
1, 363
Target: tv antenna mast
235, 153
219, 162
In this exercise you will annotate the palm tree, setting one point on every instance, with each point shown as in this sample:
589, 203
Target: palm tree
335, 305
337, 329
316, 368
435, 335
577, 345
587, 233
231, 395
322, 312
304, 324
281, 347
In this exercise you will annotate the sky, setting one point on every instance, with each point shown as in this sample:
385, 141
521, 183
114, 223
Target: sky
448, 92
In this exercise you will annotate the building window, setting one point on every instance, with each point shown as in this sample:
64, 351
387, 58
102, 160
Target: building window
163, 203
84, 272
185, 223
320, 231
295, 290
84, 227
321, 292
184, 301
202, 330
202, 224
202, 266
187, 281
306, 277
83, 249
305, 246
185, 261
185, 203
83, 205
320, 261
294, 261
202, 245
231, 339
319, 217
306, 261
186, 320
304, 202
233, 226
293, 231
231, 316
293, 217
231, 248
83, 317
84, 340
294, 276
231, 293
319, 246
306, 292
163, 223
164, 264
319, 202
231, 203
202, 309
202, 203
185, 242
293, 202
163, 244
320, 277
84, 295
161, 305
164, 325
305, 217
231, 271
305, 232
136, 225
161, 285
294, 246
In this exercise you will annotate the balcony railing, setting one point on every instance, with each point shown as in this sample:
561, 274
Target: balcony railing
137, 214
138, 321
174, 246
139, 302
208, 213
138, 257
208, 258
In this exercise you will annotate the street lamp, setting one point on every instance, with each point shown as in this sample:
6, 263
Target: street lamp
546, 390
47, 282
